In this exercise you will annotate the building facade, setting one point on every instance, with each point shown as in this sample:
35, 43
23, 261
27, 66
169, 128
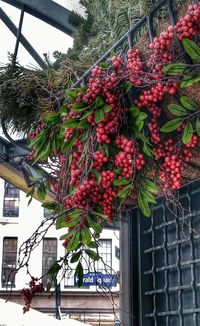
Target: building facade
18, 221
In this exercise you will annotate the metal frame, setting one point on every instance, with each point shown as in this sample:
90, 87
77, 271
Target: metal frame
46, 10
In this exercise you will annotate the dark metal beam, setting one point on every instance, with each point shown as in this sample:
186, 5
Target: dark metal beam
23, 40
48, 11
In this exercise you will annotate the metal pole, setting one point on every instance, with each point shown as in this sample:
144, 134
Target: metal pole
18, 36
58, 302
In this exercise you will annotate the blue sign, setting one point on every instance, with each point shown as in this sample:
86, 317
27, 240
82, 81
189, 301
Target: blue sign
97, 278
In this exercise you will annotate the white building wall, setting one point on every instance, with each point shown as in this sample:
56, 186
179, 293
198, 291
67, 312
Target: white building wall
23, 227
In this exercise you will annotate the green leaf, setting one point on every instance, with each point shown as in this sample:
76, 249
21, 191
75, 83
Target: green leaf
79, 107
52, 116
148, 196
75, 257
93, 245
54, 269
176, 109
151, 186
71, 123
50, 205
68, 234
99, 214
134, 111
79, 273
62, 222
86, 114
172, 125
97, 175
175, 68
99, 102
85, 235
127, 87
147, 150
83, 124
72, 93
41, 191
125, 192
68, 144
106, 108
99, 115
121, 182
143, 205
198, 127
189, 81
187, 133
192, 49
95, 226
92, 254
75, 212
142, 115
74, 241
139, 124
188, 103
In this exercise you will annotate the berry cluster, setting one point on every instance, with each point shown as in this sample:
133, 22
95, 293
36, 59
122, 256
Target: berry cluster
189, 25
134, 67
28, 293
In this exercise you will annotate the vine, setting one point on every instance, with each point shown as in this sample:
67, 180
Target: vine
116, 139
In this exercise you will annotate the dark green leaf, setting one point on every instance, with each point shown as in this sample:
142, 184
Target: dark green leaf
106, 108
142, 115
176, 109
99, 214
41, 191
127, 87
75, 212
68, 144
198, 127
192, 49
86, 114
92, 244
99, 102
121, 182
188, 103
79, 107
99, 115
189, 81
54, 269
151, 186
85, 235
143, 205
68, 234
50, 205
74, 241
139, 124
97, 175
71, 123
187, 133
52, 116
125, 192
148, 196
147, 150
83, 124
134, 111
75, 257
175, 68
79, 273
92, 254
95, 226
172, 125
72, 93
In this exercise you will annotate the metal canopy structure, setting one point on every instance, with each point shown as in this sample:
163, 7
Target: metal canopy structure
12, 153
46, 10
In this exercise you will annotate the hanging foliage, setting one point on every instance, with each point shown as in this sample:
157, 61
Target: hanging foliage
115, 139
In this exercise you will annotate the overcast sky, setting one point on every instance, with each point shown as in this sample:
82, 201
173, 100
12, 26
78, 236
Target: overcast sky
43, 37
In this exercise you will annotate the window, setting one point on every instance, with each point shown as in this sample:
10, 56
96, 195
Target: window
10, 191
48, 258
105, 252
9, 261
104, 266
11, 201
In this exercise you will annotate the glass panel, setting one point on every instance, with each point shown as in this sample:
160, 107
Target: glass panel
9, 261
48, 258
